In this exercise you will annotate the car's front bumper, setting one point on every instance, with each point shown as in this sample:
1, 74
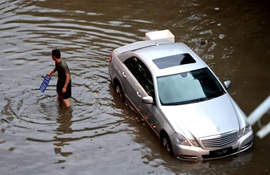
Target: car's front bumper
192, 153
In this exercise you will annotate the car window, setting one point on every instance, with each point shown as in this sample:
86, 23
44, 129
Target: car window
174, 60
141, 73
188, 87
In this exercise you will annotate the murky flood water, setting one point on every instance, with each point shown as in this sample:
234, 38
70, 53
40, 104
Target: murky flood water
99, 134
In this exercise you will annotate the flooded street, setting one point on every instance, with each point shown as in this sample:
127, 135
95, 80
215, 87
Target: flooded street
99, 134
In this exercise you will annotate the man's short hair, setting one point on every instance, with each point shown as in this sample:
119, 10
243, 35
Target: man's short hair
56, 53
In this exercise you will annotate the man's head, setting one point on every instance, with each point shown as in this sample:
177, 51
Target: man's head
56, 53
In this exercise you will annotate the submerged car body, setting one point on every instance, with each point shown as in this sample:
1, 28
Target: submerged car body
181, 99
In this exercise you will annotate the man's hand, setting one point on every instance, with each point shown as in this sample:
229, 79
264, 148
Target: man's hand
64, 90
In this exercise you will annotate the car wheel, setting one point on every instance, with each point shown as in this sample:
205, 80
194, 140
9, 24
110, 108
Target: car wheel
167, 144
119, 91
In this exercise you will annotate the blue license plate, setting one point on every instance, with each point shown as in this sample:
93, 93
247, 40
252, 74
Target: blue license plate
45, 84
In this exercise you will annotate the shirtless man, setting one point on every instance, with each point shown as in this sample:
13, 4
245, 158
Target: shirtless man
63, 87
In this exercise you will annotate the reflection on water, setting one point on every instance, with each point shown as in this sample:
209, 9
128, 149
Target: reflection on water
229, 165
64, 129
99, 134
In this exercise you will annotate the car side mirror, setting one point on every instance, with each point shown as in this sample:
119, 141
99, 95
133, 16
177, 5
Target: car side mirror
148, 100
227, 84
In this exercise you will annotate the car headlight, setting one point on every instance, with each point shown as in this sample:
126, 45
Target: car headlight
194, 142
247, 129
244, 130
181, 140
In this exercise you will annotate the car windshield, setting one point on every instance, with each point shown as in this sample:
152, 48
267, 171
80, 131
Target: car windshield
188, 87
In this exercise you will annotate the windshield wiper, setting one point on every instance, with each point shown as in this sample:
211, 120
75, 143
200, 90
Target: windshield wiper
200, 99
188, 101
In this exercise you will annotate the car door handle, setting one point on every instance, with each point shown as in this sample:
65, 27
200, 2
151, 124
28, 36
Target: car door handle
124, 74
138, 93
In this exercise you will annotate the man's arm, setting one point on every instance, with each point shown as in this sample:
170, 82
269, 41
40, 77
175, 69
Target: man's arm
52, 72
66, 83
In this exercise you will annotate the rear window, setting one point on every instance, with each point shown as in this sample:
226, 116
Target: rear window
174, 60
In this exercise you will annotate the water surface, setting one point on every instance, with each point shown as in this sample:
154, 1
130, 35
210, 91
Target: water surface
100, 134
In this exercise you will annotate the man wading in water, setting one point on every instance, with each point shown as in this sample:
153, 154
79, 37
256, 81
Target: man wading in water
63, 87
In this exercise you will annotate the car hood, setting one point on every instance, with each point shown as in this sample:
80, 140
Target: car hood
204, 118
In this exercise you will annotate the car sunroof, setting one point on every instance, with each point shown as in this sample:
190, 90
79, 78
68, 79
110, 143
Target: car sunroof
174, 60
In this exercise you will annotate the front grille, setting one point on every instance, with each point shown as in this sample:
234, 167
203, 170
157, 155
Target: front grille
221, 140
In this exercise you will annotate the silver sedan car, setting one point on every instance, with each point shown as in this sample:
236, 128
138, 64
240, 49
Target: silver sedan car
181, 99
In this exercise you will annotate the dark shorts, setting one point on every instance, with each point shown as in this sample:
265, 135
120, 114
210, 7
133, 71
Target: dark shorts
59, 87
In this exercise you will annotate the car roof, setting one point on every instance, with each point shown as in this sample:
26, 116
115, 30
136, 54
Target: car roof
151, 50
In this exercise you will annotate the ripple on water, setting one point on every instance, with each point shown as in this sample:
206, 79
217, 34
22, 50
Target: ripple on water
28, 35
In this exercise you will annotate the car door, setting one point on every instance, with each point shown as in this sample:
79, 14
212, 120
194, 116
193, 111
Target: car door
143, 87
130, 84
